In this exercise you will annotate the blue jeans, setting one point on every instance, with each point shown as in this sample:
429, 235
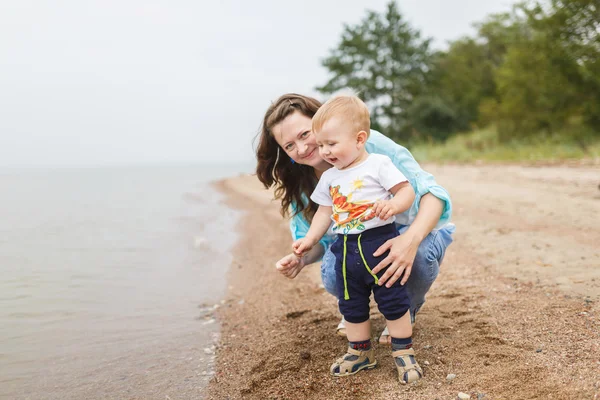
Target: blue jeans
425, 269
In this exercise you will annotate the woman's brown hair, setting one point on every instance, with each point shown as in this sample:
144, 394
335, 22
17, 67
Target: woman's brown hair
293, 182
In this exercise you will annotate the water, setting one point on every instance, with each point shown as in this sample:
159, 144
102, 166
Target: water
104, 270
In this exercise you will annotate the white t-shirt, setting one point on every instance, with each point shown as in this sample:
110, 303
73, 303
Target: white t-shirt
352, 192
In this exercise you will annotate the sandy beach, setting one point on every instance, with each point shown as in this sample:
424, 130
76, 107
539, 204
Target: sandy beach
514, 313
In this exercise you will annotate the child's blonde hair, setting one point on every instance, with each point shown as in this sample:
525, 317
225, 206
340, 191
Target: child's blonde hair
348, 106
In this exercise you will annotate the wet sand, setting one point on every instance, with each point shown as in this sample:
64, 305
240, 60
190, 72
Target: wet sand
514, 313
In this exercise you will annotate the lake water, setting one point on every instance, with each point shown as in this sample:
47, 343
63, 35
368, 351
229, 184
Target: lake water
108, 279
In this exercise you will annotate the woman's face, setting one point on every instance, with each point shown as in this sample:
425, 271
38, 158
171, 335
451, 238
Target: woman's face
294, 135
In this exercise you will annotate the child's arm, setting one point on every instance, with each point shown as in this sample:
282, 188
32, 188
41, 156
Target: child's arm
320, 223
404, 196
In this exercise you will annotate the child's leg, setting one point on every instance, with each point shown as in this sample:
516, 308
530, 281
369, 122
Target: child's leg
353, 295
358, 332
355, 309
402, 351
394, 305
360, 354
401, 327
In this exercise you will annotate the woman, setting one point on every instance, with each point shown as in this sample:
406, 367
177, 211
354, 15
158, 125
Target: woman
288, 159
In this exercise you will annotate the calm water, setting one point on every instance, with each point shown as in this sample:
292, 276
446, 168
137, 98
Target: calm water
101, 269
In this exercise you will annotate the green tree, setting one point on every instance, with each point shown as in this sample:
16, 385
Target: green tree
535, 95
573, 28
464, 76
549, 80
386, 61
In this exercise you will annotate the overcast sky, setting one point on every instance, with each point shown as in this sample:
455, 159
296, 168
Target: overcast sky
146, 82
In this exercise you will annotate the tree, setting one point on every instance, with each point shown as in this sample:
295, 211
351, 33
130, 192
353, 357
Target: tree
573, 28
464, 76
386, 61
550, 79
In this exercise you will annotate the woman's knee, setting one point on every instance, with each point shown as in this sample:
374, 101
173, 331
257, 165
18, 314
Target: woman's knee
427, 261
328, 272
431, 252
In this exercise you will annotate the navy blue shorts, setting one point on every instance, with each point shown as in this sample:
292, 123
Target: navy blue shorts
354, 291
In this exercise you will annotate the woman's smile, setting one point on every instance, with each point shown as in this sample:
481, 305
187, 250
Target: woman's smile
309, 155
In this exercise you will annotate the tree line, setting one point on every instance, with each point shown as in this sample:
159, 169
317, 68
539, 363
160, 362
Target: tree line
532, 71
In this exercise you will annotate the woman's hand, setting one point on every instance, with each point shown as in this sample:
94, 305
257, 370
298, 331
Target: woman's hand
290, 265
403, 250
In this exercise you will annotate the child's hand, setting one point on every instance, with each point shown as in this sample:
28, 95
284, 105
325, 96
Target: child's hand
302, 246
385, 209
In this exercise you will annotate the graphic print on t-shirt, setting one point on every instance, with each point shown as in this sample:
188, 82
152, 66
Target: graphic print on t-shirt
352, 193
353, 213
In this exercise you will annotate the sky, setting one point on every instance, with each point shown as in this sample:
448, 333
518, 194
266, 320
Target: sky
106, 82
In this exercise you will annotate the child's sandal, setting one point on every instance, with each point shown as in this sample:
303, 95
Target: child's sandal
408, 369
353, 361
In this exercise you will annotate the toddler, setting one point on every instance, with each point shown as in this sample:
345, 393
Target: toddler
361, 193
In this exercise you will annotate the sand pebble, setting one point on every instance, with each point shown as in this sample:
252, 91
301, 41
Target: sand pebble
208, 322
463, 396
449, 377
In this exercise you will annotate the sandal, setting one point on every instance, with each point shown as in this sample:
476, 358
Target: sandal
341, 328
408, 369
353, 361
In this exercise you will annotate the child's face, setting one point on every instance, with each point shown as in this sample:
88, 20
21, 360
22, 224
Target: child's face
339, 143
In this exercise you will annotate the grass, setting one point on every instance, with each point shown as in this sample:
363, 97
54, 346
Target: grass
485, 145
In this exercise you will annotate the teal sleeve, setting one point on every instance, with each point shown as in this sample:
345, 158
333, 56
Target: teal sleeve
422, 182
299, 227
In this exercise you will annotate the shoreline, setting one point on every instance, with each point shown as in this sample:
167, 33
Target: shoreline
502, 336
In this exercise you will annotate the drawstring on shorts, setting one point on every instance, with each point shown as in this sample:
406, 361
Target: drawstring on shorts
346, 294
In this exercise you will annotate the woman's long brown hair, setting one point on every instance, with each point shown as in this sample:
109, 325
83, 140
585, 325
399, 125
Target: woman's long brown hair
293, 182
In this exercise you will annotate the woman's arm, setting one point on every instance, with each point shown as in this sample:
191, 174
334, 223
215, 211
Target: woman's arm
421, 181
291, 265
403, 249
432, 208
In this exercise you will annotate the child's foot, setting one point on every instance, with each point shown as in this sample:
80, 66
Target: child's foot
353, 361
408, 369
